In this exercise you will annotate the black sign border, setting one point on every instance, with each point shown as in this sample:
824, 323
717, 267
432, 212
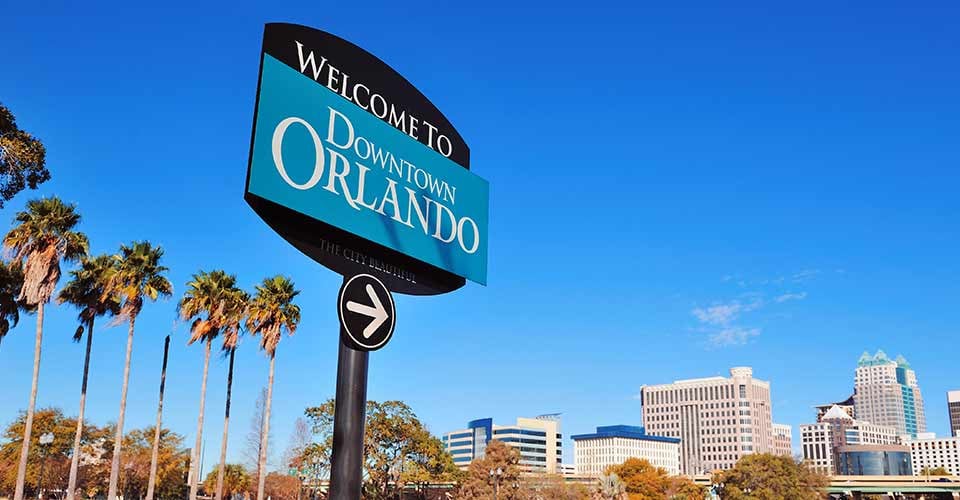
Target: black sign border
300, 230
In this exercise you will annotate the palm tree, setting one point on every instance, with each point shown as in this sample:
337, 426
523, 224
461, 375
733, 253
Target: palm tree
233, 313
44, 236
271, 311
87, 290
204, 303
138, 275
11, 282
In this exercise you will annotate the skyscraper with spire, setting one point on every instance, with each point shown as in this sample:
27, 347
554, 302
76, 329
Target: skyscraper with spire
886, 393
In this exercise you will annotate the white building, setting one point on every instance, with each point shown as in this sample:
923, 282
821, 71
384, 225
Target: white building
613, 445
718, 420
930, 452
886, 393
782, 440
538, 440
821, 442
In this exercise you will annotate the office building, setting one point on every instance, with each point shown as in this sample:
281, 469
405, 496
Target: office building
717, 419
930, 452
537, 439
613, 445
782, 440
845, 405
953, 406
821, 442
886, 393
876, 460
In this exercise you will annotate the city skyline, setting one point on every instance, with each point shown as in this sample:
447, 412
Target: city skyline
766, 200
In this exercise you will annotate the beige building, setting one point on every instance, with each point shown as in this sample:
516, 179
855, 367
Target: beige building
821, 442
886, 393
717, 419
930, 452
782, 440
614, 444
537, 439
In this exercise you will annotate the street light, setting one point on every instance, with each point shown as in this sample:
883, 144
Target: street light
45, 440
495, 476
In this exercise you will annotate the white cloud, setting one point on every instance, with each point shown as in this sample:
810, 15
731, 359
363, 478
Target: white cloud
733, 335
718, 315
724, 314
805, 275
790, 296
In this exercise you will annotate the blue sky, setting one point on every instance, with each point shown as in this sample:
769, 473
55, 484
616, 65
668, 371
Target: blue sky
674, 191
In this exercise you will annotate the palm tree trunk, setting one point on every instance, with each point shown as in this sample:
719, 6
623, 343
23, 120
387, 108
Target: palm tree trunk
118, 438
152, 482
262, 466
75, 458
226, 425
28, 427
194, 477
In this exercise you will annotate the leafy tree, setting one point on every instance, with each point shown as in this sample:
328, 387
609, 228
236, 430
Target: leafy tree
205, 302
234, 480
53, 458
44, 235
642, 479
479, 483
427, 461
22, 158
553, 487
172, 464
270, 313
138, 275
11, 281
281, 486
611, 487
768, 477
397, 449
936, 471
87, 290
683, 488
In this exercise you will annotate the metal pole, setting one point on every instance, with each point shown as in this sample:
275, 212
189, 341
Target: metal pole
346, 472
43, 465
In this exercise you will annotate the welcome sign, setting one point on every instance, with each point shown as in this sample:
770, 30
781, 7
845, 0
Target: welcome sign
355, 167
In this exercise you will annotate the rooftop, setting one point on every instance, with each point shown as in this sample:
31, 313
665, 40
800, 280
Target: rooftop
624, 431
880, 358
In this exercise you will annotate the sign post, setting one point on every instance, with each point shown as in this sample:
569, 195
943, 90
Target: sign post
346, 470
356, 168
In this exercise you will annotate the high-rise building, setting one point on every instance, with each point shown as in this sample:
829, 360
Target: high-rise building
538, 440
953, 406
886, 393
822, 442
929, 452
614, 444
782, 440
717, 419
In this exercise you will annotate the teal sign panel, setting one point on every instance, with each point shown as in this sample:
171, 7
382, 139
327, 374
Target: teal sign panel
323, 156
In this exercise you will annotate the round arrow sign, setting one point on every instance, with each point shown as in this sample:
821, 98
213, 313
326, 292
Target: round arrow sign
367, 313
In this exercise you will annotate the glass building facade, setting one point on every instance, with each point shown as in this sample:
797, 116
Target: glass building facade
875, 461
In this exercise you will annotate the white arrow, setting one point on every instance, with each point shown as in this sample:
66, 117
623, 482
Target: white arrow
377, 312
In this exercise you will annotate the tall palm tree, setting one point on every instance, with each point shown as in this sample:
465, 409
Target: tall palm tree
233, 313
138, 275
87, 290
270, 313
204, 302
11, 282
44, 236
